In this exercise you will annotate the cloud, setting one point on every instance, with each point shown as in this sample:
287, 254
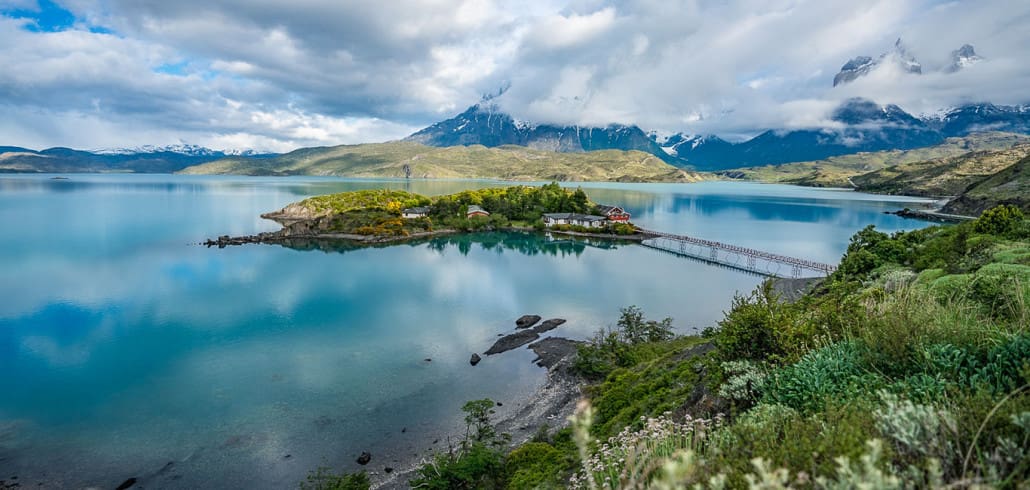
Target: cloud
322, 72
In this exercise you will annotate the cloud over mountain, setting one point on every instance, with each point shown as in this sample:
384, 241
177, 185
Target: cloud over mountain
236, 73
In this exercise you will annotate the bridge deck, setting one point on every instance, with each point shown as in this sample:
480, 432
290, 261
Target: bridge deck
731, 255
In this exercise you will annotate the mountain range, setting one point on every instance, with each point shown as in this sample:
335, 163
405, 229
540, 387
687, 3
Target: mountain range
861, 126
900, 58
145, 159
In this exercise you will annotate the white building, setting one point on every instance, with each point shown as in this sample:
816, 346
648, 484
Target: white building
575, 219
419, 212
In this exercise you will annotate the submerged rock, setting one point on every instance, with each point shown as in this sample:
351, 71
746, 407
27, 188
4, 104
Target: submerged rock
126, 484
509, 342
365, 458
548, 325
526, 321
475, 359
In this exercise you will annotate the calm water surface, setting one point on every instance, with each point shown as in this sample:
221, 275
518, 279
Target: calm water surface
124, 346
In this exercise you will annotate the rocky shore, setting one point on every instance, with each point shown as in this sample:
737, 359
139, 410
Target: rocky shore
549, 406
934, 216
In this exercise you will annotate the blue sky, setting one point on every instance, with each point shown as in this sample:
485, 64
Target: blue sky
246, 74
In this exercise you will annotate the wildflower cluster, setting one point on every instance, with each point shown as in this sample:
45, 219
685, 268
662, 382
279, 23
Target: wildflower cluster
631, 459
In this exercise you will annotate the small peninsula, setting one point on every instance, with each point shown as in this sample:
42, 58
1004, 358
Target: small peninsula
385, 215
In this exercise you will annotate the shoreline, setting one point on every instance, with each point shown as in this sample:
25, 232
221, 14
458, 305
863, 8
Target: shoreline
551, 405
280, 237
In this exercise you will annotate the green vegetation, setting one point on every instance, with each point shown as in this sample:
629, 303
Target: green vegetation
324, 479
378, 213
909, 367
479, 162
839, 171
386, 199
480, 461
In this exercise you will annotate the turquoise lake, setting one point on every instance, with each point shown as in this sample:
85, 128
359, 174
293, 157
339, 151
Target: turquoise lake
125, 346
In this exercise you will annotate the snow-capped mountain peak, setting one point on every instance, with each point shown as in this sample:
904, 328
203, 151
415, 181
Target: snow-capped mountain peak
963, 57
186, 149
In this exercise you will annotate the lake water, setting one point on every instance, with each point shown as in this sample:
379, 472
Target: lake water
124, 346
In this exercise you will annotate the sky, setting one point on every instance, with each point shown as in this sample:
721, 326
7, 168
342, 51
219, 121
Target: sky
274, 76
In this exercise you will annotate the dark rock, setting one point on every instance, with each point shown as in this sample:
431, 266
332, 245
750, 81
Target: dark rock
526, 321
388, 469
475, 359
499, 404
364, 458
695, 351
553, 350
548, 325
126, 484
791, 290
509, 342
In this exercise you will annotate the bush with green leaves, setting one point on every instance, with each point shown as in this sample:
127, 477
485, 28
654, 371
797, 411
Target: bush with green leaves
631, 342
833, 373
999, 220
324, 479
744, 383
748, 331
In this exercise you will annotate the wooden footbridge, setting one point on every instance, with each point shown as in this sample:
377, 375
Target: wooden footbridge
746, 259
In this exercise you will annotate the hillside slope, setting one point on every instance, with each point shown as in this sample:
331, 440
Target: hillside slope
836, 171
1009, 186
469, 162
941, 176
144, 160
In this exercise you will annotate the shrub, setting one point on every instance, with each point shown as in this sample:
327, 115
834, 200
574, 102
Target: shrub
744, 381
999, 220
324, 479
636, 330
535, 465
917, 431
834, 372
748, 329
477, 466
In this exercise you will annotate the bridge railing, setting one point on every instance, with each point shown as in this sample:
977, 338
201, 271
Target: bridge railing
793, 261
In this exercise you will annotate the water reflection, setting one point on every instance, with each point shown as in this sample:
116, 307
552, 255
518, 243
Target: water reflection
499, 242
124, 345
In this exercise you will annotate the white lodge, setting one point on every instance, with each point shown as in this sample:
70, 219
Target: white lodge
575, 219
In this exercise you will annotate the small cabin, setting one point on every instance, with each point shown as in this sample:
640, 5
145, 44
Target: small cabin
613, 213
574, 219
419, 212
474, 210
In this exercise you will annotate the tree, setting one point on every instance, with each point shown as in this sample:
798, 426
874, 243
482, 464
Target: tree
635, 329
477, 416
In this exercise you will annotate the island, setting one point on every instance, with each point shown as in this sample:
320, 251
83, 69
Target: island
388, 215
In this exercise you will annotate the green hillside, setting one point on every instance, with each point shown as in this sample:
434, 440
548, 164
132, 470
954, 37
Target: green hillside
948, 176
504, 163
1009, 186
836, 171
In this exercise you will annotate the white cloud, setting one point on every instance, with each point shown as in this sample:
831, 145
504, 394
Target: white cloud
328, 72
